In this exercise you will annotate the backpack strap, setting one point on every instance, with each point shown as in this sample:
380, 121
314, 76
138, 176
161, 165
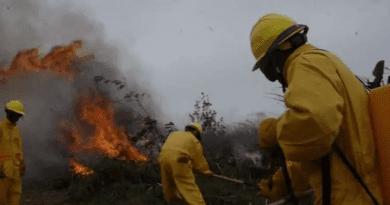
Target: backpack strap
326, 180
354, 172
291, 195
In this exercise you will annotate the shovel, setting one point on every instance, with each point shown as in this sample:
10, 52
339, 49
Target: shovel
234, 180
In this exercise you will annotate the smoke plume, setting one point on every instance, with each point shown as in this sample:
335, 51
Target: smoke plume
27, 24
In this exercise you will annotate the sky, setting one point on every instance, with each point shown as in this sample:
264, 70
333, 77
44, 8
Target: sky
184, 48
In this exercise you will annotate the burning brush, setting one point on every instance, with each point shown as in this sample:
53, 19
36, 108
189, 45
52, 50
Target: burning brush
93, 109
79, 169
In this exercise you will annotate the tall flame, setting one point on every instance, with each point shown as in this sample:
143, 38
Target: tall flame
107, 138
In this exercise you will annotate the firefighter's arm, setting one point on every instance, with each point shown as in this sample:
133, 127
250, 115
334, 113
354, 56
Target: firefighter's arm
199, 161
23, 167
278, 190
308, 128
4, 155
267, 134
299, 182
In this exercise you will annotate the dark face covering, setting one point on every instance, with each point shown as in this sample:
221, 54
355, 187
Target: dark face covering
193, 130
13, 116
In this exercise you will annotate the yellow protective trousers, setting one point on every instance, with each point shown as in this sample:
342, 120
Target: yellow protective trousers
178, 179
10, 191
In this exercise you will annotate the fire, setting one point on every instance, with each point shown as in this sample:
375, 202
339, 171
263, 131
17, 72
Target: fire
107, 138
57, 62
94, 110
80, 169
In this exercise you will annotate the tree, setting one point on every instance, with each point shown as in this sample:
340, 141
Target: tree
207, 117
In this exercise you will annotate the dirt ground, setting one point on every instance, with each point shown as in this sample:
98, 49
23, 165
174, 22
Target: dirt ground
44, 197
60, 197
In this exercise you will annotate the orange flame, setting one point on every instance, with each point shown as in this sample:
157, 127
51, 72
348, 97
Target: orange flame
107, 137
80, 169
96, 111
57, 61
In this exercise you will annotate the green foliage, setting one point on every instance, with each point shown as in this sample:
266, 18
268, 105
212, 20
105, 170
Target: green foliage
207, 117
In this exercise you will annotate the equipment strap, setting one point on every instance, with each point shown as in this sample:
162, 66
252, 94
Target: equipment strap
326, 180
291, 195
354, 172
326, 176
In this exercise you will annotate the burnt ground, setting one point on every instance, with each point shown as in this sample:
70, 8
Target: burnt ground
124, 183
214, 191
44, 197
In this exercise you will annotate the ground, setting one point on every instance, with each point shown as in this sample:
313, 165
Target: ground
44, 197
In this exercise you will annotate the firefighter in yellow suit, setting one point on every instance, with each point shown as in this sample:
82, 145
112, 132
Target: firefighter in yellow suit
180, 155
12, 167
326, 104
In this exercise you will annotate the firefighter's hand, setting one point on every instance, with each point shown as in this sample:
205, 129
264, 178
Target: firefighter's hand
2, 175
264, 189
23, 168
208, 173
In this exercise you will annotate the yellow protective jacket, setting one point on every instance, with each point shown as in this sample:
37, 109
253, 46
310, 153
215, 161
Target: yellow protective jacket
180, 155
182, 142
11, 145
327, 104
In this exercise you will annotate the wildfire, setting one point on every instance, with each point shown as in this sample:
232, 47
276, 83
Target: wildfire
94, 109
107, 138
57, 61
80, 169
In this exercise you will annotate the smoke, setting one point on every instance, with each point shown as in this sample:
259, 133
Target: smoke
45, 103
26, 24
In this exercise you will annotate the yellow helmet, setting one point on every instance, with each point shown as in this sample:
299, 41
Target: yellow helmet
270, 32
15, 106
197, 126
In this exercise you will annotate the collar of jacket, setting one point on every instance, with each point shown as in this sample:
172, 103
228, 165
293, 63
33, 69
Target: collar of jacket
9, 123
295, 54
193, 135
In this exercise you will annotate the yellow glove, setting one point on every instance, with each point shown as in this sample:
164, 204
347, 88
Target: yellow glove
208, 173
264, 189
278, 190
267, 133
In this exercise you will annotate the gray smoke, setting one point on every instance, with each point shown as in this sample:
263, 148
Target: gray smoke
25, 24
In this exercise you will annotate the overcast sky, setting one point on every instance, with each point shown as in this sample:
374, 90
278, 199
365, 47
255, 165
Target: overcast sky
185, 47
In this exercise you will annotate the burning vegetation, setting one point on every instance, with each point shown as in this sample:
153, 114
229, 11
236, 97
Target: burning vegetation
80, 169
57, 62
106, 138
94, 129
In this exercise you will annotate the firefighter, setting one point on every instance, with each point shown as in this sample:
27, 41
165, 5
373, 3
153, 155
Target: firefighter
13, 169
180, 155
327, 108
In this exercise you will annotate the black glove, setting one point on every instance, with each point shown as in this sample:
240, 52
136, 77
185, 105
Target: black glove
2, 175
